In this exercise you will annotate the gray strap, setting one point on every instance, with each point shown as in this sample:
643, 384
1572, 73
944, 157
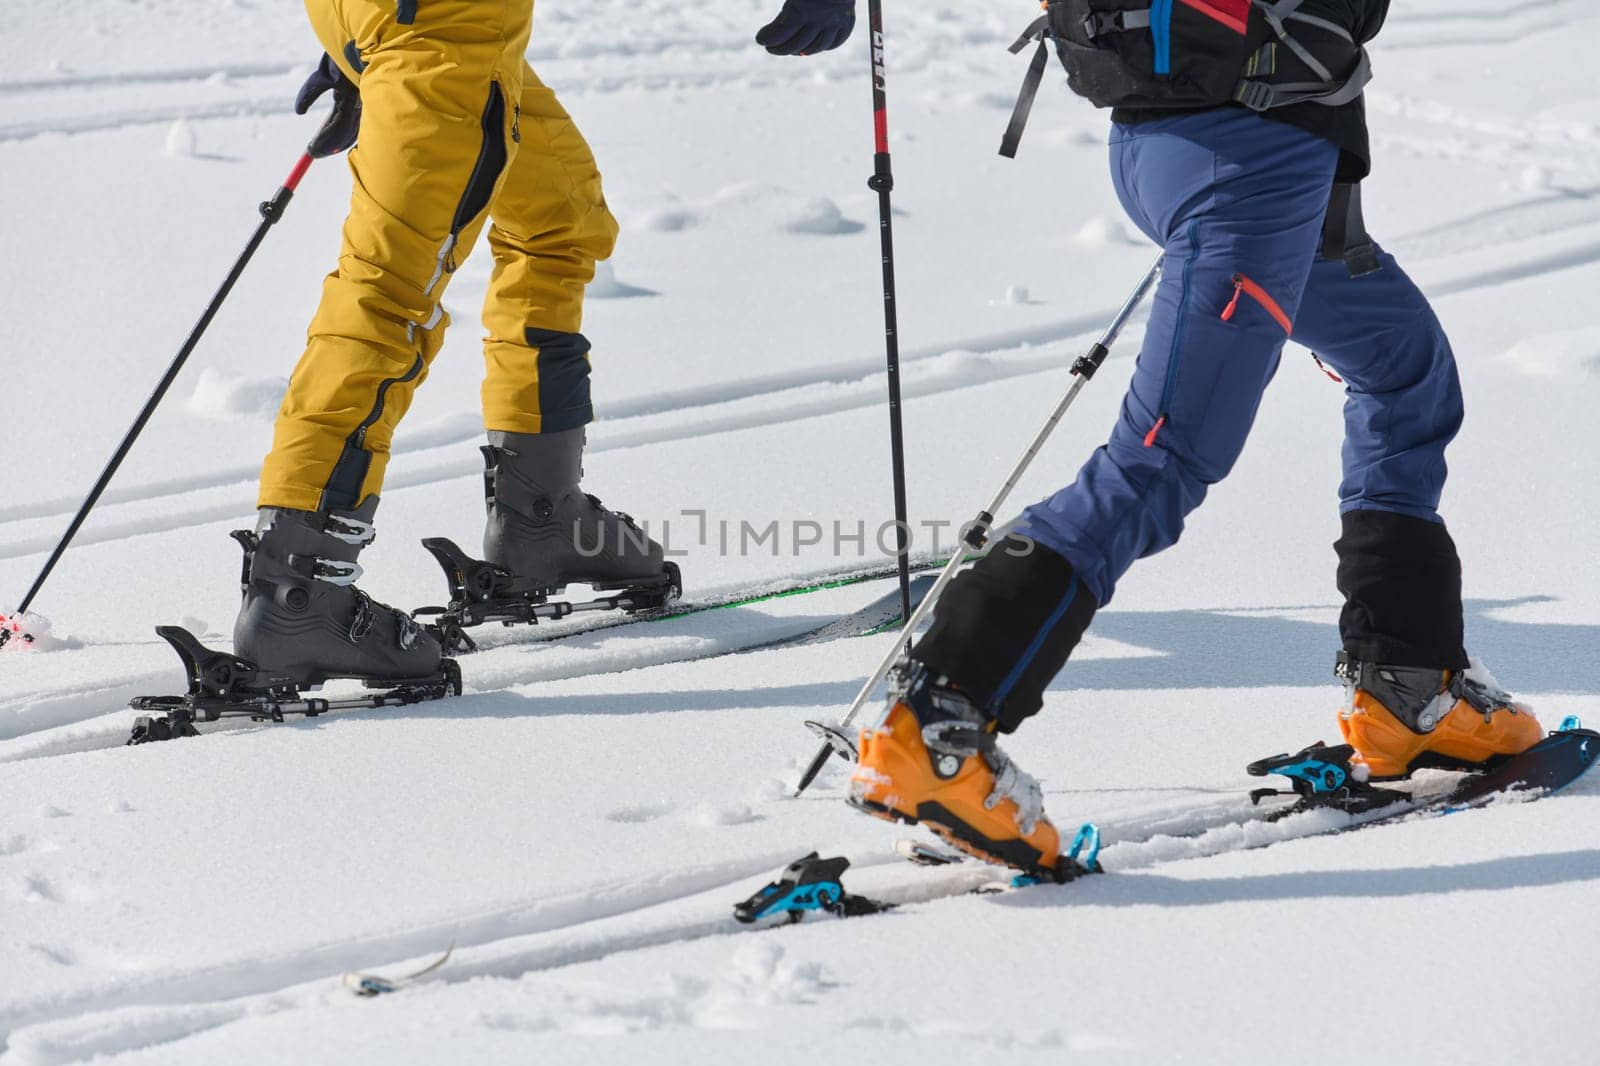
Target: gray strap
1038, 30
1097, 22
1322, 24
1305, 56
1280, 10
1276, 14
1263, 96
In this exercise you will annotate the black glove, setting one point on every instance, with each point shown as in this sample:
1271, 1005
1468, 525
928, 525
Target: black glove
807, 26
338, 133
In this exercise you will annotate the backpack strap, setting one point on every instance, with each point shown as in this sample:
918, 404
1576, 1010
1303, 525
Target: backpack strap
1344, 231
1038, 30
1330, 91
1264, 95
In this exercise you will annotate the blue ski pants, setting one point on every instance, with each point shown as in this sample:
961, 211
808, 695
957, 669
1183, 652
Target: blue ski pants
1237, 202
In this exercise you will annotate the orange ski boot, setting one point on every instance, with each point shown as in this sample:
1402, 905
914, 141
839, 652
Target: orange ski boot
1405, 718
934, 760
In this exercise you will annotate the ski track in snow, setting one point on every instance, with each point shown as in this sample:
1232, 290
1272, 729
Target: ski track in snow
555, 934
273, 976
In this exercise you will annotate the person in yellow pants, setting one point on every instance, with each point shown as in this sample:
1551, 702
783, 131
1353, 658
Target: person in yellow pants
455, 130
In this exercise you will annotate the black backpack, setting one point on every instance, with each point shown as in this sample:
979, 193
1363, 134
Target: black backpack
1177, 54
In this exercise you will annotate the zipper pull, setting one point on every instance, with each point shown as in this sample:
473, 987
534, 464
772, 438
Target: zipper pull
1150, 438
1233, 304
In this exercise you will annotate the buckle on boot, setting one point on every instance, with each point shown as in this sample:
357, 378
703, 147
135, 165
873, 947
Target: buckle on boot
335, 570
349, 529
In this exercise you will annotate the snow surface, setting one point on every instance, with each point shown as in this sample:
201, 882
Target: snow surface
580, 823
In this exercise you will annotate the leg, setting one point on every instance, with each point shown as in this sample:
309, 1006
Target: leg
1398, 567
1412, 699
436, 135
551, 225
1226, 194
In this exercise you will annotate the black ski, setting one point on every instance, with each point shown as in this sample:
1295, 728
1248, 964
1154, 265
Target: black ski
630, 606
222, 685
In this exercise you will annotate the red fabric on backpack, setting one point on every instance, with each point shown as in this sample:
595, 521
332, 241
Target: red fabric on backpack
1234, 14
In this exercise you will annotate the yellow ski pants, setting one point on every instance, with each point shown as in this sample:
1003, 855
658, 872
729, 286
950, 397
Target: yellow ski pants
455, 128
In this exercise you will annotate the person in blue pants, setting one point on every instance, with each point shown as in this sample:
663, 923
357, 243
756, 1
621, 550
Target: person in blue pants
1240, 204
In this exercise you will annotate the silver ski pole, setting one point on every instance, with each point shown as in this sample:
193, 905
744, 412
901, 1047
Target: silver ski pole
975, 534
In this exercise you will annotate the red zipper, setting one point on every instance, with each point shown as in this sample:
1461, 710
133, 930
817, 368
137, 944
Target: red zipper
1150, 438
1243, 285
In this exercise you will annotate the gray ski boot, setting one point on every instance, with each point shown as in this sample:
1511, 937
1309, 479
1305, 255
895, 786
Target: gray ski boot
547, 532
303, 617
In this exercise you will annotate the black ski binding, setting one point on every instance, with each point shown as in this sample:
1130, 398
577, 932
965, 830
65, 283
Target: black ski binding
811, 883
222, 685
482, 592
1321, 776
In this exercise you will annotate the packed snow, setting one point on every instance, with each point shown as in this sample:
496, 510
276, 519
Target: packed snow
580, 823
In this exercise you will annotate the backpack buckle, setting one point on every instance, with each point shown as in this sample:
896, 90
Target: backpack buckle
1256, 95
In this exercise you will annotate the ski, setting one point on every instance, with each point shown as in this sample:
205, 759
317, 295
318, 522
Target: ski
1322, 783
812, 883
368, 985
921, 871
634, 606
224, 686
1322, 777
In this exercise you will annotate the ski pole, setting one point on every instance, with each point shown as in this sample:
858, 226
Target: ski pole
271, 211
976, 533
882, 182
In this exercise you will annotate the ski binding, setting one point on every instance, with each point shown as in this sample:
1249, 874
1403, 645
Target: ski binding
222, 685
1322, 776
481, 592
811, 883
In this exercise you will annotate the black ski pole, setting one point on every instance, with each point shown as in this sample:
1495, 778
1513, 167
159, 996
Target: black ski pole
882, 182
976, 533
271, 211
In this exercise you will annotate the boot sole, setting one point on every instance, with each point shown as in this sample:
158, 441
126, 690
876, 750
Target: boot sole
958, 835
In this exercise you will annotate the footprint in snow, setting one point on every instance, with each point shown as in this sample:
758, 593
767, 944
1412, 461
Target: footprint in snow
713, 815
36, 888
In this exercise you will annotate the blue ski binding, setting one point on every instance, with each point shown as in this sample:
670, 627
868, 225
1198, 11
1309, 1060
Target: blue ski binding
810, 883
